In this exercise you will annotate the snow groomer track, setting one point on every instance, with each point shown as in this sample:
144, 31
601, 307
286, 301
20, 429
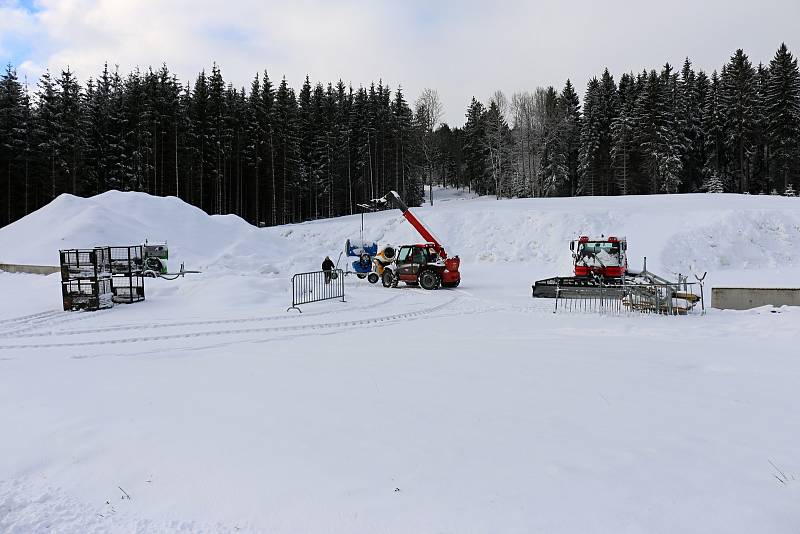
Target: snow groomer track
105, 335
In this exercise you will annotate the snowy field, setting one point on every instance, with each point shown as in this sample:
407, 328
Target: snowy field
209, 408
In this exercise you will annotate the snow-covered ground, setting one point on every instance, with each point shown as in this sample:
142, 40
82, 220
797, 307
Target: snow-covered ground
468, 410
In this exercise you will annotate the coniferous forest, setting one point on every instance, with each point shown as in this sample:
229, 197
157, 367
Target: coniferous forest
274, 155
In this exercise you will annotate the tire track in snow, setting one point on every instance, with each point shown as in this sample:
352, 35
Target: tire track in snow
53, 319
25, 318
51, 333
239, 331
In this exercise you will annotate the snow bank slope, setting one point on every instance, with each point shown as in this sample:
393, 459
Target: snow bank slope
677, 233
117, 218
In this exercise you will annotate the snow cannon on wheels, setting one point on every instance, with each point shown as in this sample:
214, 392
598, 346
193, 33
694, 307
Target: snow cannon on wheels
154, 257
426, 264
381, 262
154, 262
363, 253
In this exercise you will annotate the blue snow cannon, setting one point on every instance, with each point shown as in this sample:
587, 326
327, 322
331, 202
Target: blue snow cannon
363, 252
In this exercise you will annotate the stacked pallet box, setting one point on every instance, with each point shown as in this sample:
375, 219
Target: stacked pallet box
127, 270
86, 278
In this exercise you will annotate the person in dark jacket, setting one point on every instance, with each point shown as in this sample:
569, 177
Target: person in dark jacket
328, 266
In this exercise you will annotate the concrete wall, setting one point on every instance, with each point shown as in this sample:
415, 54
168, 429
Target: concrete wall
745, 298
29, 269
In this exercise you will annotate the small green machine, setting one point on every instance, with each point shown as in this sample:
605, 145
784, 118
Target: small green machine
155, 258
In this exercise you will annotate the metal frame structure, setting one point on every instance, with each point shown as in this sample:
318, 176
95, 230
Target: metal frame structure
316, 286
127, 269
86, 278
632, 296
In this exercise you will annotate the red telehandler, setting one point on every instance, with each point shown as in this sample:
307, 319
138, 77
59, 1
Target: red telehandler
425, 264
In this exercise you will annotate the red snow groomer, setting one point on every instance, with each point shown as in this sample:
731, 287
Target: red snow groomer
596, 261
425, 264
605, 257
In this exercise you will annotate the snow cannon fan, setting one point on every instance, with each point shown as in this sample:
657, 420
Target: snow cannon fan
364, 254
155, 259
380, 261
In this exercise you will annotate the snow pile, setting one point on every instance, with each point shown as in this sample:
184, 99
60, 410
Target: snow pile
117, 218
677, 233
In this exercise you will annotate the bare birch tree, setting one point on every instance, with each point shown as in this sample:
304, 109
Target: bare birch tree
428, 110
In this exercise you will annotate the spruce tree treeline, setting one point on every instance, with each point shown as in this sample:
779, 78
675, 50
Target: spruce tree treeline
269, 154
653, 132
273, 155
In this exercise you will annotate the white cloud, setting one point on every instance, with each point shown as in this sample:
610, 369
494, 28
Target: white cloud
461, 48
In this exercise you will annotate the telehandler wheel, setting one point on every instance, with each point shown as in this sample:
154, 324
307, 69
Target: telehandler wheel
388, 278
429, 279
373, 278
361, 275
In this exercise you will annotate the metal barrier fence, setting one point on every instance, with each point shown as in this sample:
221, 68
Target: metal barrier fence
316, 286
653, 298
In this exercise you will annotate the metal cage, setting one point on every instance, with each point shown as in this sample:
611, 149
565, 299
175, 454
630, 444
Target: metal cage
87, 294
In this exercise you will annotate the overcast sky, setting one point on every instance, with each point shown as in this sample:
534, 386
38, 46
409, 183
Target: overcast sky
460, 48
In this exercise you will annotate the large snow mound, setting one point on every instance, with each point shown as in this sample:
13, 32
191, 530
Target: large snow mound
677, 233
129, 218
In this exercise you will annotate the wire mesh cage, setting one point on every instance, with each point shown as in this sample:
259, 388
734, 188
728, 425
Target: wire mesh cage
127, 260
92, 279
85, 264
87, 294
127, 289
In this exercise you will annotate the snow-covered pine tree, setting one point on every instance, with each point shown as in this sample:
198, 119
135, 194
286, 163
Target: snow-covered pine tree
286, 152
553, 170
760, 179
590, 161
622, 141
570, 133
782, 103
674, 142
737, 94
12, 143
716, 162
691, 92
497, 142
46, 136
401, 125
476, 157
713, 184
698, 154
609, 109
217, 136
649, 113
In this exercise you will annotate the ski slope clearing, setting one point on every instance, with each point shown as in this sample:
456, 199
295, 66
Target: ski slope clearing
208, 408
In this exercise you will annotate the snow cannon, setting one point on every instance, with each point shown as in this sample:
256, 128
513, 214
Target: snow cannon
155, 258
364, 252
381, 261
